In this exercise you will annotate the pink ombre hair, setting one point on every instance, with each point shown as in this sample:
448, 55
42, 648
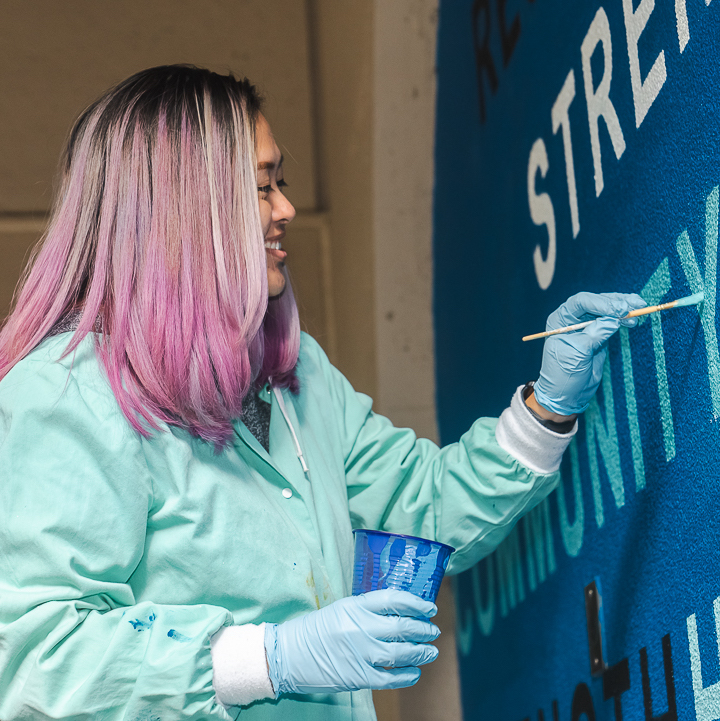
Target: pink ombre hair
156, 236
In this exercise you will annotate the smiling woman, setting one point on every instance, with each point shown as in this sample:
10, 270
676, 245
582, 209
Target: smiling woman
166, 162
276, 211
182, 469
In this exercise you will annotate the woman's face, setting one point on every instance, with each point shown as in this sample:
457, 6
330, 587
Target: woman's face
276, 211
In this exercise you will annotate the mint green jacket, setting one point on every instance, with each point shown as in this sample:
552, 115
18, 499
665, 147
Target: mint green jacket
121, 556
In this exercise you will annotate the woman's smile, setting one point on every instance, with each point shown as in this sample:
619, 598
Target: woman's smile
274, 247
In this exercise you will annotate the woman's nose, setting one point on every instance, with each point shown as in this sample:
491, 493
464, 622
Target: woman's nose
283, 209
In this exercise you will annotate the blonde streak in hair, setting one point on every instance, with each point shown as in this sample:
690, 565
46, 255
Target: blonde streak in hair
135, 217
206, 134
190, 286
114, 300
228, 338
184, 279
235, 246
203, 280
172, 228
158, 268
89, 158
106, 239
85, 126
173, 242
214, 293
252, 263
254, 251
93, 195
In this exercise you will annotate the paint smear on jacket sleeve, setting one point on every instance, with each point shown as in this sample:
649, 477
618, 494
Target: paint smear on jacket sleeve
142, 625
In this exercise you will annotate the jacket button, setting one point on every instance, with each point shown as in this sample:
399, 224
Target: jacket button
287, 493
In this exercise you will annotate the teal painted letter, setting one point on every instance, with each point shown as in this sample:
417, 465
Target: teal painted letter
653, 293
605, 436
708, 286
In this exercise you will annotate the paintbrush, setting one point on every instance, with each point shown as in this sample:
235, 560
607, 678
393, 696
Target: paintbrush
679, 303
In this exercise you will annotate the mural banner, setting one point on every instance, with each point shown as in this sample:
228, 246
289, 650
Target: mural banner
578, 148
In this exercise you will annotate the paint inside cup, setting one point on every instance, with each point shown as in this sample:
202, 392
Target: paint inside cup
405, 563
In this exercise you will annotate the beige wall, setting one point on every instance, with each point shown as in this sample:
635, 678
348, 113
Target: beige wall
404, 125
57, 57
342, 45
350, 92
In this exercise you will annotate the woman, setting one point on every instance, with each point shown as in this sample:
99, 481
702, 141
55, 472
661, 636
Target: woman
182, 468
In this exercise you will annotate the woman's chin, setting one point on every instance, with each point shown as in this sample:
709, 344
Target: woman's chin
275, 289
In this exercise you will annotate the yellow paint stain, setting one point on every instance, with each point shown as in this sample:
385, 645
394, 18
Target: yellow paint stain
310, 580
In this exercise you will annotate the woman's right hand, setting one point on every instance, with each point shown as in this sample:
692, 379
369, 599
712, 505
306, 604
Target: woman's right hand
373, 641
572, 364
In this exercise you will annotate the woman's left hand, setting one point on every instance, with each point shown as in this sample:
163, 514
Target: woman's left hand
572, 364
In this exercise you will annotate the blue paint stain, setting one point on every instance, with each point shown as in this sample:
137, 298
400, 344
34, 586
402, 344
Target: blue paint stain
177, 636
147, 715
140, 625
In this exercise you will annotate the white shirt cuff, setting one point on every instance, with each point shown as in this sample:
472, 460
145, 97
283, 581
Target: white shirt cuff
240, 672
529, 441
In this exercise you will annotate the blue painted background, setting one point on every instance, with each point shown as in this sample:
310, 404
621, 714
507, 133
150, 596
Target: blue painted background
651, 539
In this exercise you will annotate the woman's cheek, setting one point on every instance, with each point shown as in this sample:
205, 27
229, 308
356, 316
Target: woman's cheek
265, 216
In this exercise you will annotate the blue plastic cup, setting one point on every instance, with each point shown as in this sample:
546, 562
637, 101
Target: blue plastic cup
405, 563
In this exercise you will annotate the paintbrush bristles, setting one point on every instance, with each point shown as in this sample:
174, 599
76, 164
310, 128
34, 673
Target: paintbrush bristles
691, 299
679, 303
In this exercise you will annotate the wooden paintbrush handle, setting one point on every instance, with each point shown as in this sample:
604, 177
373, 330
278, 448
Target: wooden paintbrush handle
632, 314
580, 326
566, 329
651, 309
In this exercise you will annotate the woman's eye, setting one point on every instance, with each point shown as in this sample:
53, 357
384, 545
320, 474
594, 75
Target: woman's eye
264, 189
282, 184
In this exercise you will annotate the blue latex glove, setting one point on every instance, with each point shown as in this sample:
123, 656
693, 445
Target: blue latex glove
572, 364
373, 641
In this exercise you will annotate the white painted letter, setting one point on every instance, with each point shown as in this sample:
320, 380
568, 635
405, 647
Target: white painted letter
542, 213
598, 100
644, 93
683, 29
560, 117
707, 700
